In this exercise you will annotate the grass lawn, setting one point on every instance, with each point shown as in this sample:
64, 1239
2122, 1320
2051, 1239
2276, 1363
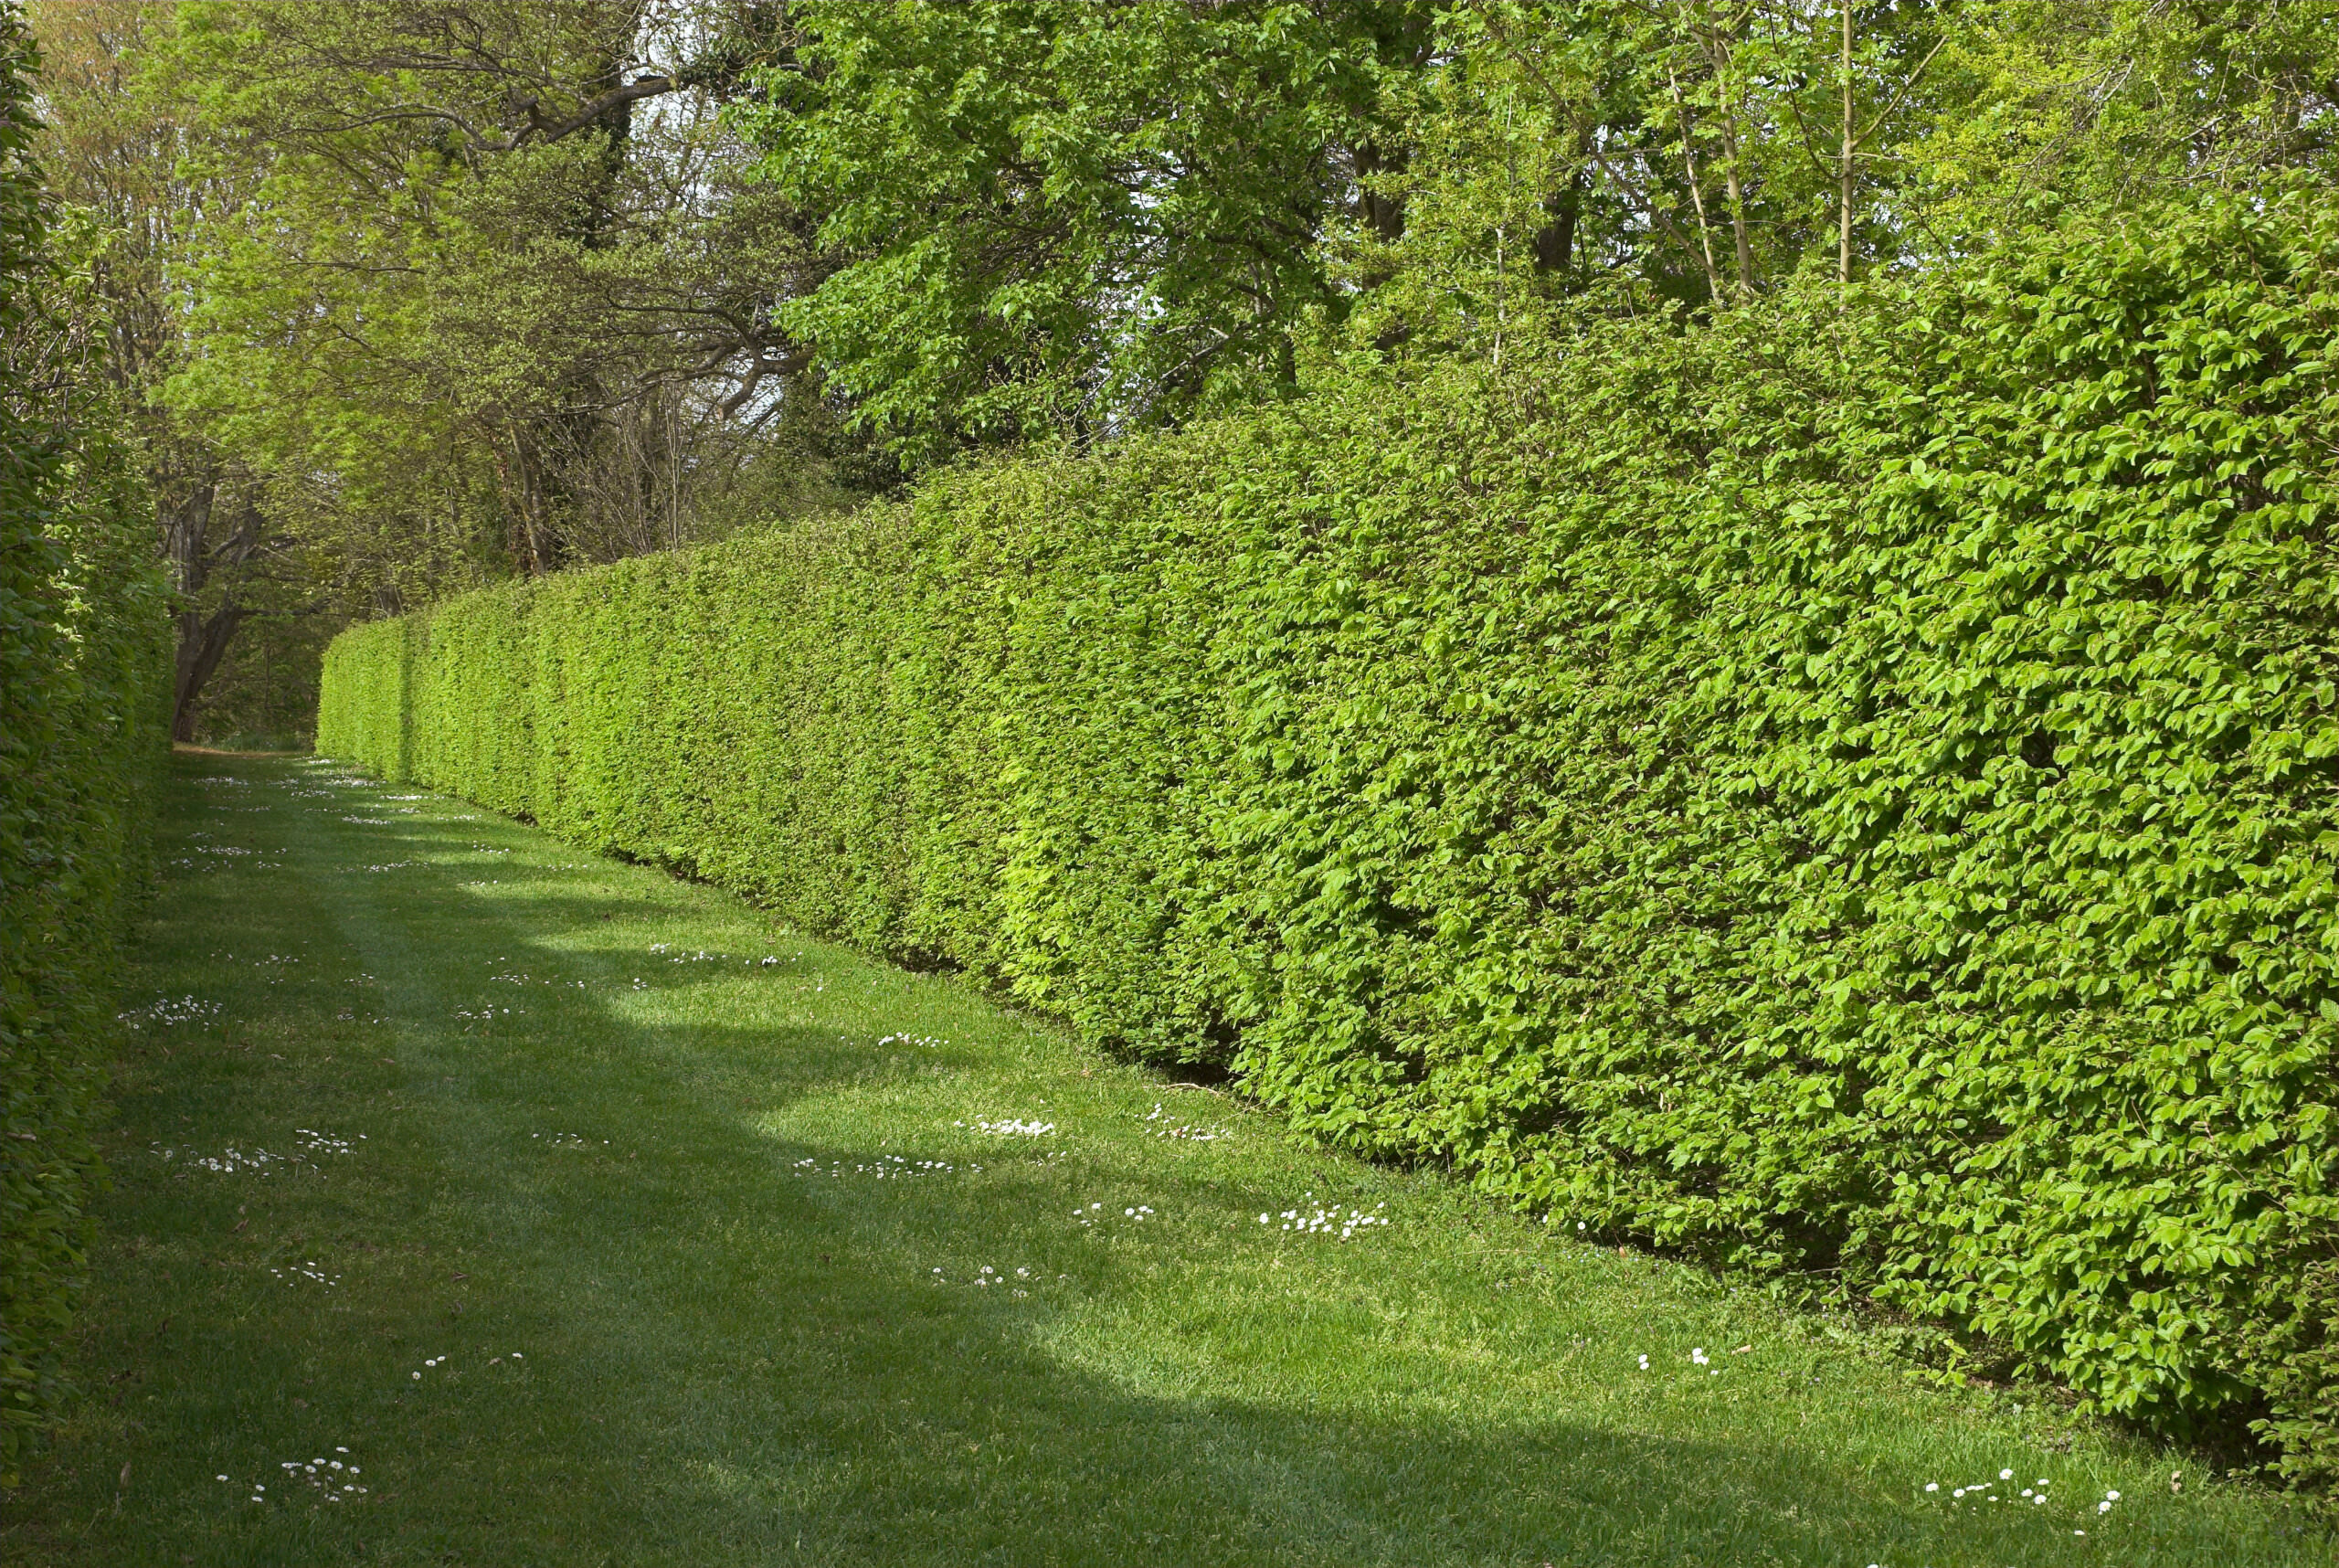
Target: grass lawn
584, 1216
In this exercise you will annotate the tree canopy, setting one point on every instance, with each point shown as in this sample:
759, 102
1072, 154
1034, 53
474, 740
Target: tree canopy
415, 294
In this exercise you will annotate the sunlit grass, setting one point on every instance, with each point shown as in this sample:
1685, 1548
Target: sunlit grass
603, 1219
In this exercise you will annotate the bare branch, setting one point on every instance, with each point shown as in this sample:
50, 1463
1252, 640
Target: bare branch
541, 129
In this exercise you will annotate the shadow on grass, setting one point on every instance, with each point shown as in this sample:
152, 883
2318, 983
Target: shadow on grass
777, 1375
762, 1367
729, 1359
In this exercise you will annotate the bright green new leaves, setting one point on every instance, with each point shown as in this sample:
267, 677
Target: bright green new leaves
496, 298
2110, 104
1068, 216
1840, 791
1059, 219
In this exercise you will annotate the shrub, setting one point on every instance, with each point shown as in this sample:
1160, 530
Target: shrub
1848, 788
84, 673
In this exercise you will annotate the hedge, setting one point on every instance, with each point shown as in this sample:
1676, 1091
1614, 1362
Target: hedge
84, 675
1846, 788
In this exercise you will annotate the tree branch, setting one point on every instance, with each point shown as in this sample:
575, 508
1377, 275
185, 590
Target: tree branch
540, 128
1591, 143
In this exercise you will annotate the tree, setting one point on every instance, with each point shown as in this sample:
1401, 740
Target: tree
1691, 151
417, 293
1682, 154
1056, 216
2115, 104
114, 156
501, 298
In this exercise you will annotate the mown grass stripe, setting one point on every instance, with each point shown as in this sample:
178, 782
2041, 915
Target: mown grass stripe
726, 1354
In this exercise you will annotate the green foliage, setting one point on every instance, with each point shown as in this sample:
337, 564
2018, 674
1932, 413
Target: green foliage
1693, 147
2108, 104
83, 674
1835, 789
1041, 217
1695, 150
1052, 215
490, 291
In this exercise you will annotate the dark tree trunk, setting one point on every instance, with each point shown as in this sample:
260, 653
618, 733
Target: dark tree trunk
186, 513
1555, 241
203, 643
1383, 213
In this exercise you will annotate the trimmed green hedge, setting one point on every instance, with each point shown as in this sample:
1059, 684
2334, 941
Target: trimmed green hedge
1850, 790
84, 675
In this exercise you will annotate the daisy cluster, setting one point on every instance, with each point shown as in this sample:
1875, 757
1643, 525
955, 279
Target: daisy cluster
663, 950
489, 1011
337, 1478
923, 1042
529, 979
1013, 1129
389, 865
1183, 1131
985, 1277
2034, 1493
1098, 1214
884, 1166
233, 1160
310, 1142
171, 1010
308, 1271
369, 821
189, 864
567, 1141
2005, 1490
1318, 1219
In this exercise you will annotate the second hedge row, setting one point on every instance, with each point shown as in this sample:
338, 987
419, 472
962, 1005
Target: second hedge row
1830, 791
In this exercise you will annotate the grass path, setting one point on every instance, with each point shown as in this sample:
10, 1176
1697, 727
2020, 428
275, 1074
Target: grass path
602, 1220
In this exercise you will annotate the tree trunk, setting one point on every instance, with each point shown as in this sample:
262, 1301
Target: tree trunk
520, 469
203, 643
1730, 150
1555, 241
1697, 191
1383, 214
1844, 164
193, 555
